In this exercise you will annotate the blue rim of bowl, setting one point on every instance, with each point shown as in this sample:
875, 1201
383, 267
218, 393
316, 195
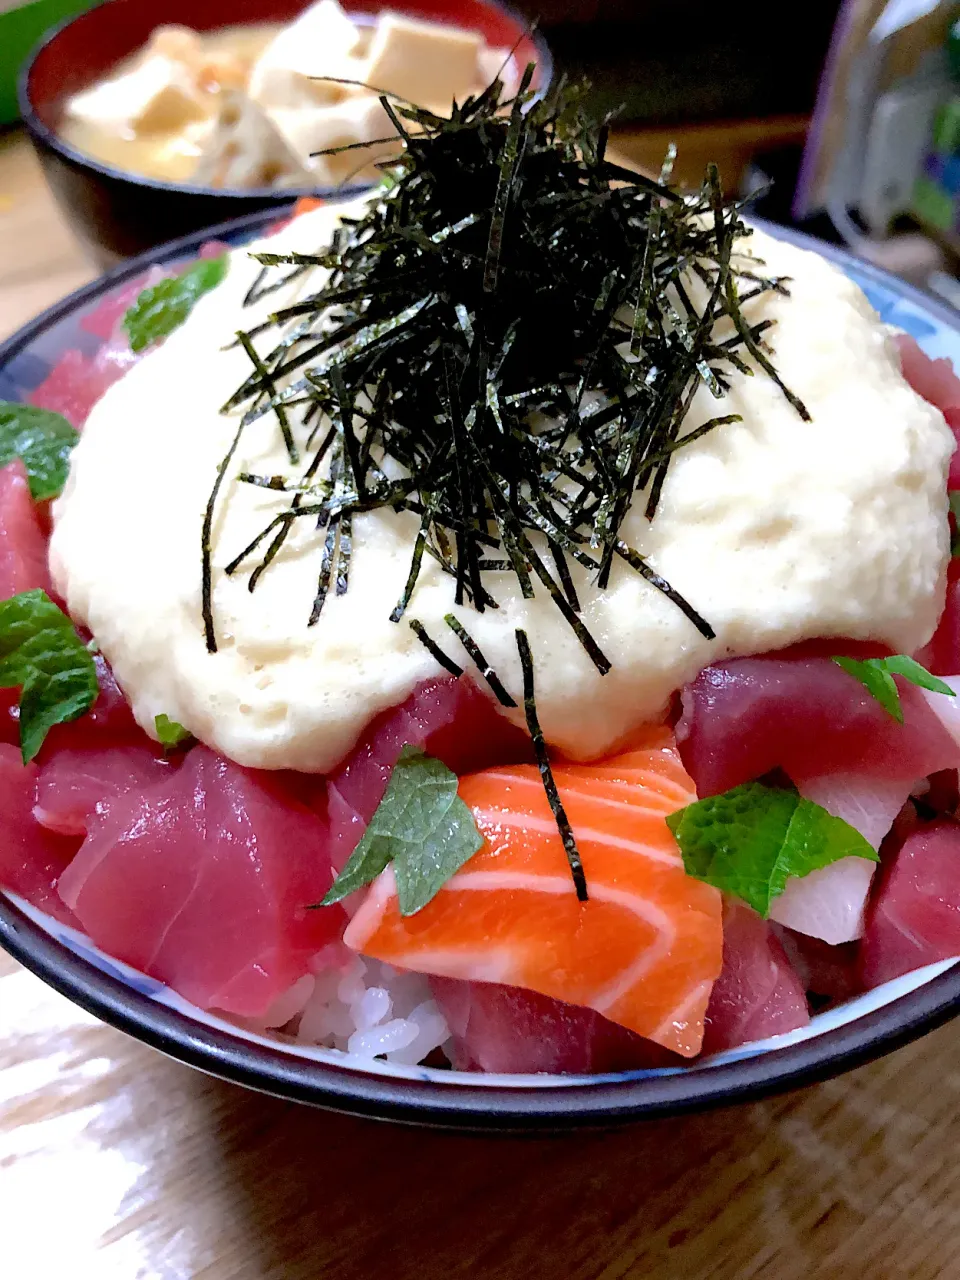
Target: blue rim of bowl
350, 1089
279, 196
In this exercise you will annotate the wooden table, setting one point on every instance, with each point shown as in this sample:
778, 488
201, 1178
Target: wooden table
116, 1164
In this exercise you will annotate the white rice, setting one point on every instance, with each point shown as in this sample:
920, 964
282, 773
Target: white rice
363, 1007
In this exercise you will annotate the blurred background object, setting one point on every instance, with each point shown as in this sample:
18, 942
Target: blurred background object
725, 88
885, 75
665, 62
881, 167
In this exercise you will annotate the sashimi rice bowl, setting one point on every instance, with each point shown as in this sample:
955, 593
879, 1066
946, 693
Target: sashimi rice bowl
506, 625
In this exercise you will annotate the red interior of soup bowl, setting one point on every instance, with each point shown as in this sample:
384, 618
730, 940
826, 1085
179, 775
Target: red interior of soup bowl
90, 46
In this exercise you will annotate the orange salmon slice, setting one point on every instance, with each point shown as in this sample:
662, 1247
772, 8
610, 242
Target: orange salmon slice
646, 948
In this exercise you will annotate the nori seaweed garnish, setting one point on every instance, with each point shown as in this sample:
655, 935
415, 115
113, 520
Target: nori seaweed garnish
420, 631
508, 283
507, 345
546, 772
483, 666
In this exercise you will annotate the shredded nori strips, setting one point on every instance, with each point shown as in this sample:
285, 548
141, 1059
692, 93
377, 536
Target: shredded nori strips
511, 326
507, 345
482, 665
448, 664
546, 772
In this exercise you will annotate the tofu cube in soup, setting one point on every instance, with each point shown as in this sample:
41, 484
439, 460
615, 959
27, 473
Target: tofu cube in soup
320, 43
246, 149
422, 61
360, 119
157, 96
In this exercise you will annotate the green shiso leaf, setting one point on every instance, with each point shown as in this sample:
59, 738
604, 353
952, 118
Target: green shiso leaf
421, 826
164, 306
876, 676
750, 840
902, 665
877, 681
41, 652
42, 440
170, 732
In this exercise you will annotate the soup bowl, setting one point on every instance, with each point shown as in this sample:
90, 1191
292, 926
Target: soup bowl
118, 214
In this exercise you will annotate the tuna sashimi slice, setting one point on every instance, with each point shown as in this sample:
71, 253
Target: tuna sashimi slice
915, 918
204, 881
508, 1029
64, 390
23, 547
71, 388
758, 993
942, 654
828, 971
935, 380
110, 714
643, 951
450, 719
743, 718
76, 382
830, 903
31, 859
10, 716
73, 781
952, 418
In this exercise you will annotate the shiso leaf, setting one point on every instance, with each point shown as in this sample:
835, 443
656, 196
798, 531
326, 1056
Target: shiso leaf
164, 306
749, 841
421, 826
43, 441
901, 664
876, 676
41, 652
169, 732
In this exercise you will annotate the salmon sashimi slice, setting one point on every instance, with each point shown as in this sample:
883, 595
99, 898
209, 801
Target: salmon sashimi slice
644, 951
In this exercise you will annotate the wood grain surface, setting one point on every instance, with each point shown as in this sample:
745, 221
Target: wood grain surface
118, 1164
